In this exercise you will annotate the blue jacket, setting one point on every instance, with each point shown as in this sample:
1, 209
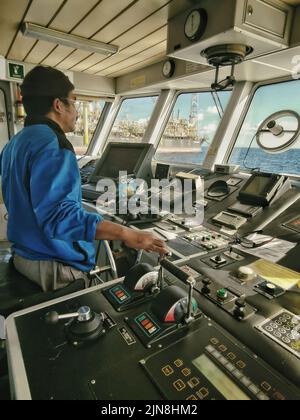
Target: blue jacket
42, 192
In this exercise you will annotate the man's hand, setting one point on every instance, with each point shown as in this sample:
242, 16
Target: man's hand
132, 238
146, 241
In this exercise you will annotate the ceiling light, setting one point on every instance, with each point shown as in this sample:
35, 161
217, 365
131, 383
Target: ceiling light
40, 32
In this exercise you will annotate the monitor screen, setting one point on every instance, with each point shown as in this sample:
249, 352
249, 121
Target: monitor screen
120, 157
257, 185
262, 188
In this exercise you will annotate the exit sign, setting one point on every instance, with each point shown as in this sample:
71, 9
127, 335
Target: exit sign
16, 71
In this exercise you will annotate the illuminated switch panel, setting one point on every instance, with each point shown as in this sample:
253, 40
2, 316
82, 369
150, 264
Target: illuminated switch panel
147, 325
119, 294
208, 239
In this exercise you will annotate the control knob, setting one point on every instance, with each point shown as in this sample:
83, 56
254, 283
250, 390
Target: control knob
239, 311
246, 273
206, 283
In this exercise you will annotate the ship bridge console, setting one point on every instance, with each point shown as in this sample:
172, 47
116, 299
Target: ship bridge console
218, 319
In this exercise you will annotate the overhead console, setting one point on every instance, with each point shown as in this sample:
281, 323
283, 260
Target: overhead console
262, 26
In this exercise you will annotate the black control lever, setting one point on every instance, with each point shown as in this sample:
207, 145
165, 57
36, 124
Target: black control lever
84, 314
187, 279
85, 326
176, 271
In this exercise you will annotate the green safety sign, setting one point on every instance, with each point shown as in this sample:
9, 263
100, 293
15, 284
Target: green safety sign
16, 71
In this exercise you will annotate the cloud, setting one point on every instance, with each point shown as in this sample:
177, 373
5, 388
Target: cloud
210, 128
200, 116
212, 110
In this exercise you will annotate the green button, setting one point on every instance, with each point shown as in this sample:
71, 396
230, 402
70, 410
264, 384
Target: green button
222, 293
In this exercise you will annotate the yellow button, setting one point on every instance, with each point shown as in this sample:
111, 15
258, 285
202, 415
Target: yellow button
178, 363
222, 348
241, 364
214, 341
193, 382
203, 393
186, 371
265, 386
179, 385
167, 370
192, 397
231, 356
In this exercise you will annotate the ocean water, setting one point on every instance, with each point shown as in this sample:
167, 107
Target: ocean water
287, 162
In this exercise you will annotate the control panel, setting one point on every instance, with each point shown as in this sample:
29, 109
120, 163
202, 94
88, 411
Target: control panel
208, 365
163, 344
222, 322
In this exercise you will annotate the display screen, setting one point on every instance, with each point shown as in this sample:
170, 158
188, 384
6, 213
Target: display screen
294, 224
118, 159
257, 186
219, 379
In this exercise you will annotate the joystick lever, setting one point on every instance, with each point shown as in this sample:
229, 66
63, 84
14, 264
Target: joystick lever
84, 314
86, 325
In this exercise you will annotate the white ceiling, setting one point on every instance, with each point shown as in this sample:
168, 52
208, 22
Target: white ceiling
138, 27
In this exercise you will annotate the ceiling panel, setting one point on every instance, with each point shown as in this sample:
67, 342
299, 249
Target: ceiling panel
73, 59
101, 15
11, 14
132, 51
128, 19
41, 12
149, 25
67, 18
58, 55
72, 13
139, 58
88, 62
125, 22
40, 50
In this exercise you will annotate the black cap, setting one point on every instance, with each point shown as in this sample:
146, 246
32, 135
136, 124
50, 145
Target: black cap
46, 81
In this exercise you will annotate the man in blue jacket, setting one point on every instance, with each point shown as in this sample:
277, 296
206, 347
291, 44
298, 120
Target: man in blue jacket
51, 234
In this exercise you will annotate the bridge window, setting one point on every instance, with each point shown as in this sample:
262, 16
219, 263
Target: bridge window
267, 100
4, 135
191, 127
89, 111
133, 119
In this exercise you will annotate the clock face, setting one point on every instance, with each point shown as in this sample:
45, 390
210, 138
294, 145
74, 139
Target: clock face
168, 68
195, 24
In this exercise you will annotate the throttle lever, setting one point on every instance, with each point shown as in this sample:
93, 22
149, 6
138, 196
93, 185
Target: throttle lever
186, 278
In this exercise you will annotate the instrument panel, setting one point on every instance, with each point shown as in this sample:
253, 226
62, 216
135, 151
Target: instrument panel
211, 325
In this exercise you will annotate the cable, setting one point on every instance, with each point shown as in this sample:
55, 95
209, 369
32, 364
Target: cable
247, 153
218, 106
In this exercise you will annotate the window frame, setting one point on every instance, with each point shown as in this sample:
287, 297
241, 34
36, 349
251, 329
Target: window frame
9, 136
165, 122
244, 115
105, 112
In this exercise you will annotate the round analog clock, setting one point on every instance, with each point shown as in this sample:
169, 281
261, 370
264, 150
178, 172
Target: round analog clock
168, 68
195, 24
